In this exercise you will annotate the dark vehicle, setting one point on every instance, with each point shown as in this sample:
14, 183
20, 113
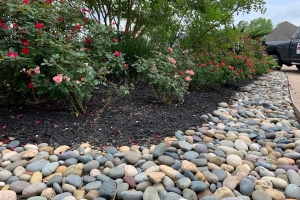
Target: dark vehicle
286, 52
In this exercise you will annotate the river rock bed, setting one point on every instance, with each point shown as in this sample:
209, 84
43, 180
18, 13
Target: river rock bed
248, 149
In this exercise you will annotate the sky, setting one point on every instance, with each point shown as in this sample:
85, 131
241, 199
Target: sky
278, 11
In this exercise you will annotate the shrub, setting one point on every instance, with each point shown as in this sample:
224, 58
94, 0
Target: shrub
54, 48
168, 74
218, 67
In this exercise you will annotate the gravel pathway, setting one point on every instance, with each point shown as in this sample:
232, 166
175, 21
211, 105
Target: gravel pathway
247, 149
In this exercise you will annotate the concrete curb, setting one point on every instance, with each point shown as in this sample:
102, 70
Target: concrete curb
296, 108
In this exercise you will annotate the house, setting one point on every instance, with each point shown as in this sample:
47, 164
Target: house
282, 32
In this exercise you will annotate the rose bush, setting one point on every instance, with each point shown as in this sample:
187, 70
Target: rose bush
168, 74
53, 48
220, 66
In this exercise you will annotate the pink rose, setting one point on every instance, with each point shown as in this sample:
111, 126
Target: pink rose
58, 78
37, 70
172, 60
117, 53
190, 72
188, 78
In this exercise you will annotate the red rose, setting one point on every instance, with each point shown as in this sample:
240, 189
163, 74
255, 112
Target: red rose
39, 26
88, 40
78, 26
25, 50
30, 85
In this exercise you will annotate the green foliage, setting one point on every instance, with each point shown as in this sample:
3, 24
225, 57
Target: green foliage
218, 67
132, 48
167, 74
257, 28
60, 52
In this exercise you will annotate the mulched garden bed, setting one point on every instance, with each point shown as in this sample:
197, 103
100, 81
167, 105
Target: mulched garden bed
133, 119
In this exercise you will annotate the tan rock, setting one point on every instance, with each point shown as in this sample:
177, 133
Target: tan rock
47, 148
241, 175
245, 139
278, 183
269, 149
61, 169
290, 161
190, 132
8, 195
8, 155
220, 136
223, 192
233, 160
200, 176
92, 194
73, 170
48, 193
159, 187
170, 172
5, 151
282, 161
30, 153
124, 148
227, 168
231, 182
242, 168
289, 146
212, 166
85, 145
265, 184
79, 194
153, 169
30, 146
95, 172
36, 177
135, 147
210, 133
275, 194
189, 139
250, 164
216, 160
276, 154
61, 149
168, 141
207, 139
156, 177
146, 151
130, 170
226, 149
19, 171
187, 165
6, 187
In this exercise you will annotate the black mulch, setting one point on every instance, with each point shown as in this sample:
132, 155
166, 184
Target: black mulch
133, 119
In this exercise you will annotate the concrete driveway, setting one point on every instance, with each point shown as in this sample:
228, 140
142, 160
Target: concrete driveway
294, 87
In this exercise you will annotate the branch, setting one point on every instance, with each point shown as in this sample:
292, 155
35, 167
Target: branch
214, 26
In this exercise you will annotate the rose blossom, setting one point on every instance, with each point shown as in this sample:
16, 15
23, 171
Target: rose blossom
172, 60
25, 51
58, 78
37, 70
12, 54
190, 72
188, 78
67, 78
39, 26
117, 53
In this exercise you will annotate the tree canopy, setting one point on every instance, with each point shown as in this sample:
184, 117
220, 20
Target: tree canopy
168, 21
